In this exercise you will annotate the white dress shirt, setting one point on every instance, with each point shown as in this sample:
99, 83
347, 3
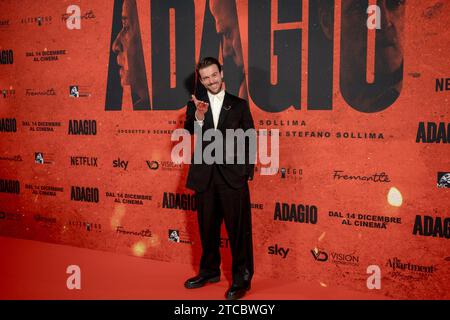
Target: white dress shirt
216, 102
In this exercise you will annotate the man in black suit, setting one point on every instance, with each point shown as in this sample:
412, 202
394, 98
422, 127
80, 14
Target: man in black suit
221, 185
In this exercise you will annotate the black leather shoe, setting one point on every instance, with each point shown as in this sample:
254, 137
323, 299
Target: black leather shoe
199, 281
236, 292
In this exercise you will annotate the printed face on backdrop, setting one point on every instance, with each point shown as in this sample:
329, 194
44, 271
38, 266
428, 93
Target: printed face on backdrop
127, 46
389, 37
227, 26
389, 49
392, 39
211, 78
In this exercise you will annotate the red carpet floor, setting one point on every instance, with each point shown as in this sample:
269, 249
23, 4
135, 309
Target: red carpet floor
37, 270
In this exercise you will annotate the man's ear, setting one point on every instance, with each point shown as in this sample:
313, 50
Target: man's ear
221, 74
325, 22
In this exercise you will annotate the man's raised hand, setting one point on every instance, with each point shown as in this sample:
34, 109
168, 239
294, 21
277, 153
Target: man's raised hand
201, 106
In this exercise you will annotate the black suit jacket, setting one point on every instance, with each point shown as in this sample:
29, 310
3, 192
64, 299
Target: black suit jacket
235, 114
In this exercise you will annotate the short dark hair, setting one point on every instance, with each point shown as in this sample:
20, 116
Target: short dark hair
206, 62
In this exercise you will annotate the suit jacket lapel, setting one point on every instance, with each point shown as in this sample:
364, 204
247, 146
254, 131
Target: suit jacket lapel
209, 122
226, 107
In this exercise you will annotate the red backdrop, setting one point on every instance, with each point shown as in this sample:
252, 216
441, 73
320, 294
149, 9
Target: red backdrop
347, 176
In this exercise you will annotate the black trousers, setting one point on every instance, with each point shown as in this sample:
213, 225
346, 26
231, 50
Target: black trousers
221, 202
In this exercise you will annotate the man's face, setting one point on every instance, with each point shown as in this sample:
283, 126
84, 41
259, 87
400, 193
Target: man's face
389, 37
126, 44
211, 78
392, 25
227, 27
